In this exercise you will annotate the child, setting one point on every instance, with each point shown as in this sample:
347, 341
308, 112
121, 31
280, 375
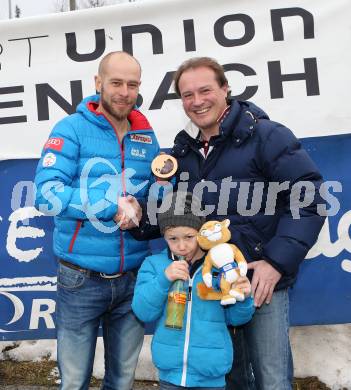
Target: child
200, 354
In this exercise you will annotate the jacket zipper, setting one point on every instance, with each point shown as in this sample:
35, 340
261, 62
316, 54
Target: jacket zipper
75, 234
187, 331
124, 193
120, 144
123, 187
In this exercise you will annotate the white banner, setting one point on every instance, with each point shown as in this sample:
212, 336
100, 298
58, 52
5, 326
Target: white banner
293, 59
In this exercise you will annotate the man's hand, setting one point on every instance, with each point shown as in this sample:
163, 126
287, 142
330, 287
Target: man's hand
265, 277
129, 212
178, 269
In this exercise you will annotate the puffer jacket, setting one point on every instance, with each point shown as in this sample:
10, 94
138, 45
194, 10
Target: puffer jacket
83, 170
201, 353
253, 150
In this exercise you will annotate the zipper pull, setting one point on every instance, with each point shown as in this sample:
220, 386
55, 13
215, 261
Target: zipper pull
190, 288
189, 293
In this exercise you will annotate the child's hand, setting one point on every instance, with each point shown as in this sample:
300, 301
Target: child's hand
244, 285
178, 269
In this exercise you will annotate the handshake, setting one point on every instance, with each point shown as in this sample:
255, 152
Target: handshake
129, 212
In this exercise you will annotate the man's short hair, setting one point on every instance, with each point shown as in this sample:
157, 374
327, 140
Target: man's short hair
198, 62
104, 60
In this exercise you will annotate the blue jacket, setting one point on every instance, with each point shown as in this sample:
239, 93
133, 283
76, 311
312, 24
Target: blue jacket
201, 353
83, 170
253, 149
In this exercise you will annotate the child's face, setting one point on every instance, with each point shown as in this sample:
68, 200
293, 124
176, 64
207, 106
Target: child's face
182, 242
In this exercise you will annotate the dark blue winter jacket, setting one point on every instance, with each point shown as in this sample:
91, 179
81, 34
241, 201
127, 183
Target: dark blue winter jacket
246, 162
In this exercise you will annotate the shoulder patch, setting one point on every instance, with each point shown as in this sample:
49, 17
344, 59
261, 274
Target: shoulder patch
145, 139
54, 143
49, 160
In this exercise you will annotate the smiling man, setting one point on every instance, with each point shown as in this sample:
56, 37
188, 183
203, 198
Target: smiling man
231, 139
97, 257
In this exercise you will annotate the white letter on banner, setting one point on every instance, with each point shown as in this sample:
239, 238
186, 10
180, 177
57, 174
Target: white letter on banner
37, 313
325, 247
16, 232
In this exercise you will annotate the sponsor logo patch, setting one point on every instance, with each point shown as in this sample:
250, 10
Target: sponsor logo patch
54, 143
138, 153
145, 139
49, 160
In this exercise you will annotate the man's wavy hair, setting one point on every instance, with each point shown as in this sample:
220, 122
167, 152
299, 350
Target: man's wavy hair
198, 62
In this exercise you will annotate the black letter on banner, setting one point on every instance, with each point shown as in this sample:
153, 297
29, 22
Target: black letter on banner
277, 27
276, 78
189, 35
100, 45
246, 71
226, 42
45, 91
127, 37
11, 104
162, 92
29, 45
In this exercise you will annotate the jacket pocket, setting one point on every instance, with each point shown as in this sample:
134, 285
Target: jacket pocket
253, 239
75, 234
214, 362
167, 356
210, 354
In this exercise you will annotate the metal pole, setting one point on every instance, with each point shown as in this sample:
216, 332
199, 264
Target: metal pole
10, 10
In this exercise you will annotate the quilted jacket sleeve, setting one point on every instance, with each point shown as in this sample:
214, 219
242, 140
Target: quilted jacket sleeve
240, 313
56, 171
284, 160
151, 290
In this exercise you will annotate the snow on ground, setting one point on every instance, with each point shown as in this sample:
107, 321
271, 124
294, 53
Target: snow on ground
322, 351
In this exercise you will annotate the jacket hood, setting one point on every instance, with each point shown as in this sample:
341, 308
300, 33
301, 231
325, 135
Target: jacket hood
87, 107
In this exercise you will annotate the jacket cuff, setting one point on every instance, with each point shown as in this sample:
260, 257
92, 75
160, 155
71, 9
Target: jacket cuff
276, 266
163, 281
285, 254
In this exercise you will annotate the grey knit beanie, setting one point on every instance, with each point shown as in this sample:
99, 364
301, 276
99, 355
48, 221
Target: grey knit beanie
180, 209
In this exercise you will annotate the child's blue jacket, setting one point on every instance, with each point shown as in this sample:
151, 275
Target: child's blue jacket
201, 353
